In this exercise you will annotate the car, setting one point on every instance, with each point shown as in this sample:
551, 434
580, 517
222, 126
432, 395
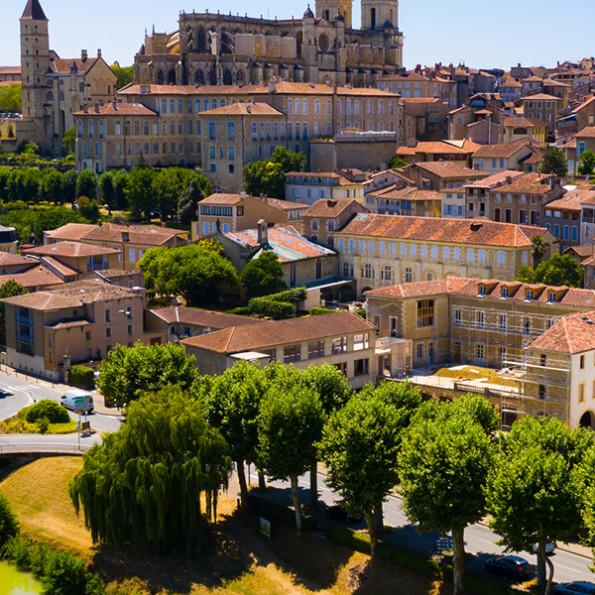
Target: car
510, 566
575, 588
338, 513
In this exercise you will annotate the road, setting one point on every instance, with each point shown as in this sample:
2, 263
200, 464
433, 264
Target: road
479, 540
20, 392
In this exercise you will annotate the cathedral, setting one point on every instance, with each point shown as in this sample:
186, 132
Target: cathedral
216, 49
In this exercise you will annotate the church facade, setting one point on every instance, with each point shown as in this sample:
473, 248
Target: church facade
53, 89
216, 49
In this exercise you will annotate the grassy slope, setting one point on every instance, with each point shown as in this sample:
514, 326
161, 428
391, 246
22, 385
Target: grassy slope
240, 562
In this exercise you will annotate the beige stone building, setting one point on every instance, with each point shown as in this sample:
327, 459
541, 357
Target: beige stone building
236, 212
321, 47
53, 88
519, 127
543, 107
381, 250
493, 159
76, 322
412, 85
343, 340
539, 338
309, 187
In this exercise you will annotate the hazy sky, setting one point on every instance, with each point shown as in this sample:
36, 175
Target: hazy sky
533, 32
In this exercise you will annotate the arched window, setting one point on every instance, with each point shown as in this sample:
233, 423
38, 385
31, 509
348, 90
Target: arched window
227, 78
171, 77
201, 39
199, 77
160, 78
327, 15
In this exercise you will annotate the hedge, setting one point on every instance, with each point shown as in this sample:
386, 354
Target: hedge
82, 376
317, 311
297, 294
267, 307
277, 511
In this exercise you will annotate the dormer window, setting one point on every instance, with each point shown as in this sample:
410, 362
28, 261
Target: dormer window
505, 292
551, 296
482, 290
529, 295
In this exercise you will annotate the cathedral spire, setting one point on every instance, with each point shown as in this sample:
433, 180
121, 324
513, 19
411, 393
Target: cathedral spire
34, 11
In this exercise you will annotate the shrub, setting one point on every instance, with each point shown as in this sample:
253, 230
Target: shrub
317, 311
268, 307
47, 410
64, 574
82, 376
17, 550
8, 521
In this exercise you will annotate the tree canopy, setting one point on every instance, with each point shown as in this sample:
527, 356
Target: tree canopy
560, 269
188, 201
188, 271
125, 74
128, 370
587, 164
144, 484
10, 99
554, 162
263, 275
9, 289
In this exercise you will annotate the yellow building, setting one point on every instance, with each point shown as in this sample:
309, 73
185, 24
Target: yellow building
380, 250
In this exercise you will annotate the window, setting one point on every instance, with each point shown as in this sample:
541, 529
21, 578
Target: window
419, 350
542, 392
368, 271
361, 367
481, 319
339, 345
526, 326
212, 131
315, 349
408, 275
502, 323
582, 362
457, 317
425, 313
480, 350
581, 392
291, 353
108, 315
108, 332
386, 273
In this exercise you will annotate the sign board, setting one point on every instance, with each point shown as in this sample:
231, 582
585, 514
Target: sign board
265, 527
79, 411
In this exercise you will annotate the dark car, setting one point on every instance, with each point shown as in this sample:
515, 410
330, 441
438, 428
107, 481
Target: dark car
510, 566
338, 513
576, 588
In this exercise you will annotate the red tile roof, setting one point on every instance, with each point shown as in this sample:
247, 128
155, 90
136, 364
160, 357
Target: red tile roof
333, 207
206, 318
571, 334
38, 276
70, 250
118, 109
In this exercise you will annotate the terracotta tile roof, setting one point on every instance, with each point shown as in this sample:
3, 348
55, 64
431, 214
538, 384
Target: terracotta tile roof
9, 260
496, 179
70, 231
572, 200
522, 122
209, 318
61, 268
588, 132
531, 183
266, 335
399, 192
119, 109
499, 151
64, 65
541, 97
420, 99
10, 70
447, 169
435, 147
39, 276
284, 241
220, 198
584, 104
70, 249
571, 334
419, 289
114, 273
285, 205
72, 295
245, 109
455, 231
327, 207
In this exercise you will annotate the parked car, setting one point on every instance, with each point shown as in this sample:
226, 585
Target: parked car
510, 566
575, 588
338, 513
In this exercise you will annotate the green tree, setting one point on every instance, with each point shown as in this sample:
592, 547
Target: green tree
444, 462
359, 447
69, 185
106, 191
290, 424
188, 271
232, 404
212, 245
554, 162
10, 131
525, 274
9, 289
140, 192
263, 275
188, 201
120, 186
266, 178
288, 160
396, 162
10, 98
587, 164
143, 485
130, 370
24, 184
531, 492
124, 74
560, 269
539, 250
8, 521
69, 141
51, 186
88, 208
86, 184
4, 175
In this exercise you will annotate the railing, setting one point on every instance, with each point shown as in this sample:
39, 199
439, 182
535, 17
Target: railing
43, 448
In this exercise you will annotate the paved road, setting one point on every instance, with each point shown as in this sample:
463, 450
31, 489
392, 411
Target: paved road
48, 442
479, 540
20, 392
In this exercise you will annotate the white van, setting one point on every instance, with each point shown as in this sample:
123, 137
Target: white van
71, 399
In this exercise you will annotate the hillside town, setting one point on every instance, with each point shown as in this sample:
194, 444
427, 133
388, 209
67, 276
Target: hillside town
270, 268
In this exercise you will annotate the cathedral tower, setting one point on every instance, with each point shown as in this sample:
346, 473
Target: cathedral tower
378, 13
35, 63
330, 9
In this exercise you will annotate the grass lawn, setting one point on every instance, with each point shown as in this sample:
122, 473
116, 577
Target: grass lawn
476, 372
240, 561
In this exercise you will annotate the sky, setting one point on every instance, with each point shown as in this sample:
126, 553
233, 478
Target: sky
479, 34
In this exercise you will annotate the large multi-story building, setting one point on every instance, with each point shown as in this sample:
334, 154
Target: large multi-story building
53, 89
221, 49
380, 250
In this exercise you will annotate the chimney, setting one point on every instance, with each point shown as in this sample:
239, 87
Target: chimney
96, 108
85, 110
84, 55
272, 87
99, 53
125, 236
263, 233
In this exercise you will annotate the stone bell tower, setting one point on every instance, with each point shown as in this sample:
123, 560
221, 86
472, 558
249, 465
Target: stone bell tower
376, 14
330, 9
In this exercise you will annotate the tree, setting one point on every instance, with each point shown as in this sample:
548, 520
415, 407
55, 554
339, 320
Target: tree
10, 131
140, 192
88, 208
288, 160
9, 289
86, 184
266, 178
188, 201
144, 484
188, 271
396, 162
69, 185
130, 370
24, 184
263, 275
531, 492
212, 245
120, 186
51, 186
539, 250
359, 447
554, 162
10, 98
125, 74
232, 404
8, 520
560, 269
444, 462
69, 141
525, 274
106, 191
290, 423
587, 164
